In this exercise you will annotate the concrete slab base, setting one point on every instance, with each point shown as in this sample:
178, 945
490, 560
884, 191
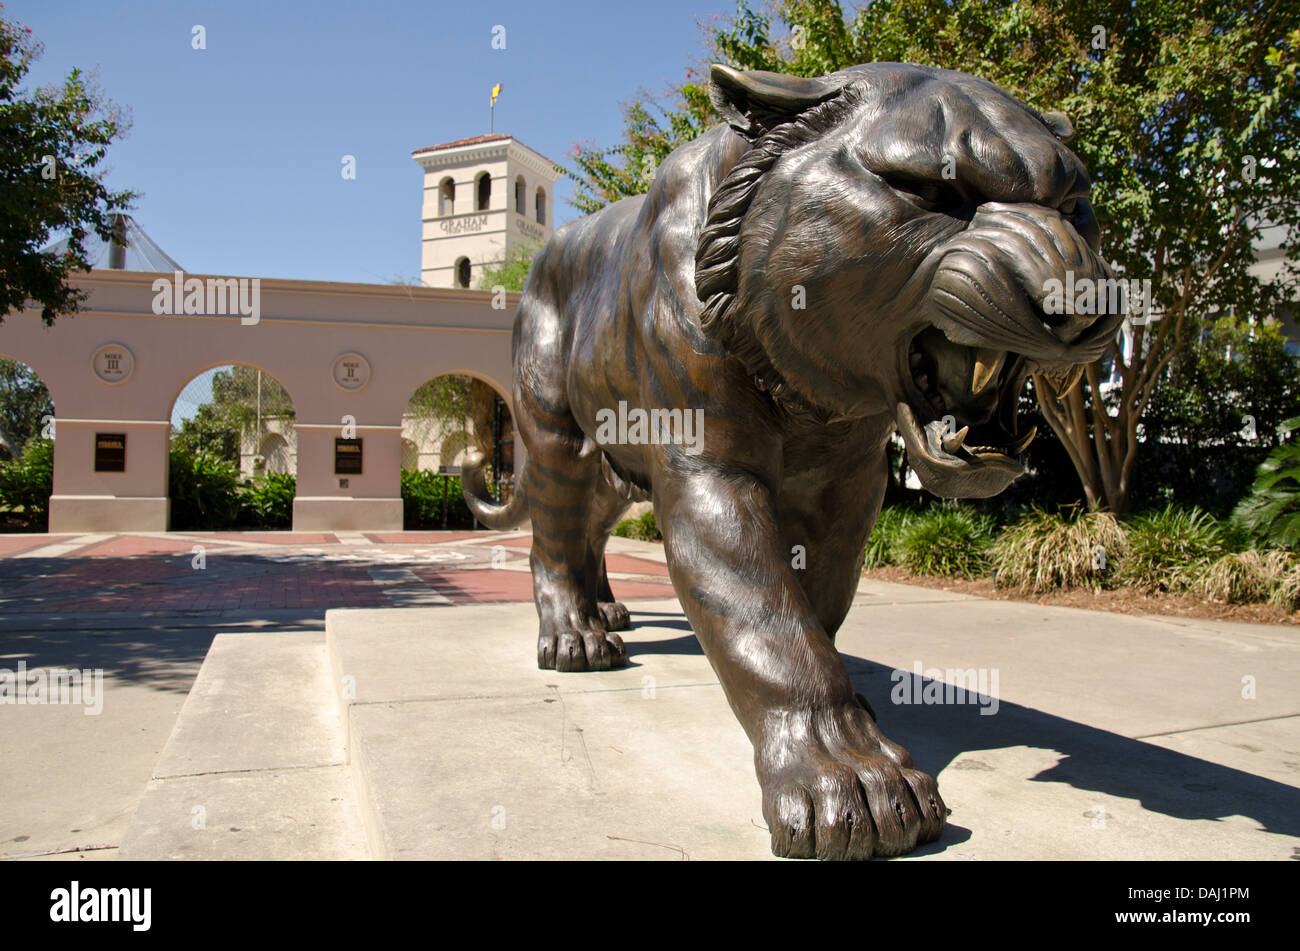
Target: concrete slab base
108, 513
463, 749
344, 513
429, 733
255, 766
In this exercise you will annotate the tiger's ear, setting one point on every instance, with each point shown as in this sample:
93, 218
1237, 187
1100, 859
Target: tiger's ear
1060, 125
753, 101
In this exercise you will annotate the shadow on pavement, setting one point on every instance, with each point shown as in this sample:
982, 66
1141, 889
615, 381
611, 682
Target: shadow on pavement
1162, 780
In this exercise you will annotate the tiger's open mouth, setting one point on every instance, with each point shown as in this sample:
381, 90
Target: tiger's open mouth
959, 418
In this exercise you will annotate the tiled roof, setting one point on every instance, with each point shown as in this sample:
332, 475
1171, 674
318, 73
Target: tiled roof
474, 140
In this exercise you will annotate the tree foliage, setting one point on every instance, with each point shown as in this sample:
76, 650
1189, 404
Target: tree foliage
25, 405
1186, 112
1216, 413
240, 395
53, 142
1271, 512
443, 403
26, 484
512, 273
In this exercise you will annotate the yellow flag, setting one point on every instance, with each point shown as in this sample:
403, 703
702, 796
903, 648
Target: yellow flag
496, 91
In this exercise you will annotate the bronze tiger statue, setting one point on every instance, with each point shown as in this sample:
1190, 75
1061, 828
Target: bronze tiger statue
844, 258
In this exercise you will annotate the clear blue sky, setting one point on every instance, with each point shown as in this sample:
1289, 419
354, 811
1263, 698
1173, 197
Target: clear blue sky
238, 147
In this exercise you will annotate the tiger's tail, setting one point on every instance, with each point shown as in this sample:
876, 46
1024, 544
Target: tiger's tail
473, 486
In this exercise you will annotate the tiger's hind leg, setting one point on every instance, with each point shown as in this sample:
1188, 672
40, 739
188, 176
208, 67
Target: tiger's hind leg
608, 509
571, 508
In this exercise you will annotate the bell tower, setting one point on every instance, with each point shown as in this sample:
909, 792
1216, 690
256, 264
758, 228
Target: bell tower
483, 197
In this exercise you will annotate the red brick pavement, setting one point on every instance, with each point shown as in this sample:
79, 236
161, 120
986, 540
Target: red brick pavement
16, 544
491, 538
130, 546
470, 587
419, 538
635, 566
271, 538
134, 573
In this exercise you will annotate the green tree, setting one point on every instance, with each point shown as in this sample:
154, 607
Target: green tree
240, 397
26, 484
1216, 413
512, 273
25, 405
53, 142
1187, 118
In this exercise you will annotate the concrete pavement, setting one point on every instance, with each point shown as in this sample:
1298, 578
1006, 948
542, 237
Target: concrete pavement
1071, 734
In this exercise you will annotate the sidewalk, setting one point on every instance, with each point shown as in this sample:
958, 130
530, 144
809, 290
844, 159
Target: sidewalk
1114, 736
139, 607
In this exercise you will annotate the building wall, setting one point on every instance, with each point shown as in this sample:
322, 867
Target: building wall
405, 336
485, 237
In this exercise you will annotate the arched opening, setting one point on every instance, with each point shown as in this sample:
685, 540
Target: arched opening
277, 458
484, 188
234, 452
541, 206
462, 272
26, 449
410, 455
446, 197
446, 419
521, 196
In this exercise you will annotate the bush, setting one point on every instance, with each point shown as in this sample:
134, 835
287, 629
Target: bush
882, 546
268, 502
945, 539
1047, 550
1246, 577
642, 529
26, 484
422, 497
1172, 549
204, 490
1286, 592
1271, 512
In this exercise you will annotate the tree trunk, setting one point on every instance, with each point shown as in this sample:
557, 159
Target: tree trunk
1101, 447
8, 440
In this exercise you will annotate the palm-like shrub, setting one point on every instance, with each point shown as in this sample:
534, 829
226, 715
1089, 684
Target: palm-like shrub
1271, 512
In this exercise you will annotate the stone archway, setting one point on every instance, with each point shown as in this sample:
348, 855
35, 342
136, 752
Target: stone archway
118, 367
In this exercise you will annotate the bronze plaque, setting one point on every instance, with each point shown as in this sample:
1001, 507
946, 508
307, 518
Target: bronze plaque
110, 452
347, 457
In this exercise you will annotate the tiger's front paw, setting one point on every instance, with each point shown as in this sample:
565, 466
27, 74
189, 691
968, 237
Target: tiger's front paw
835, 788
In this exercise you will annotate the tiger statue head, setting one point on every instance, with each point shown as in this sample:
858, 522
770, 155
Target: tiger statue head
889, 243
